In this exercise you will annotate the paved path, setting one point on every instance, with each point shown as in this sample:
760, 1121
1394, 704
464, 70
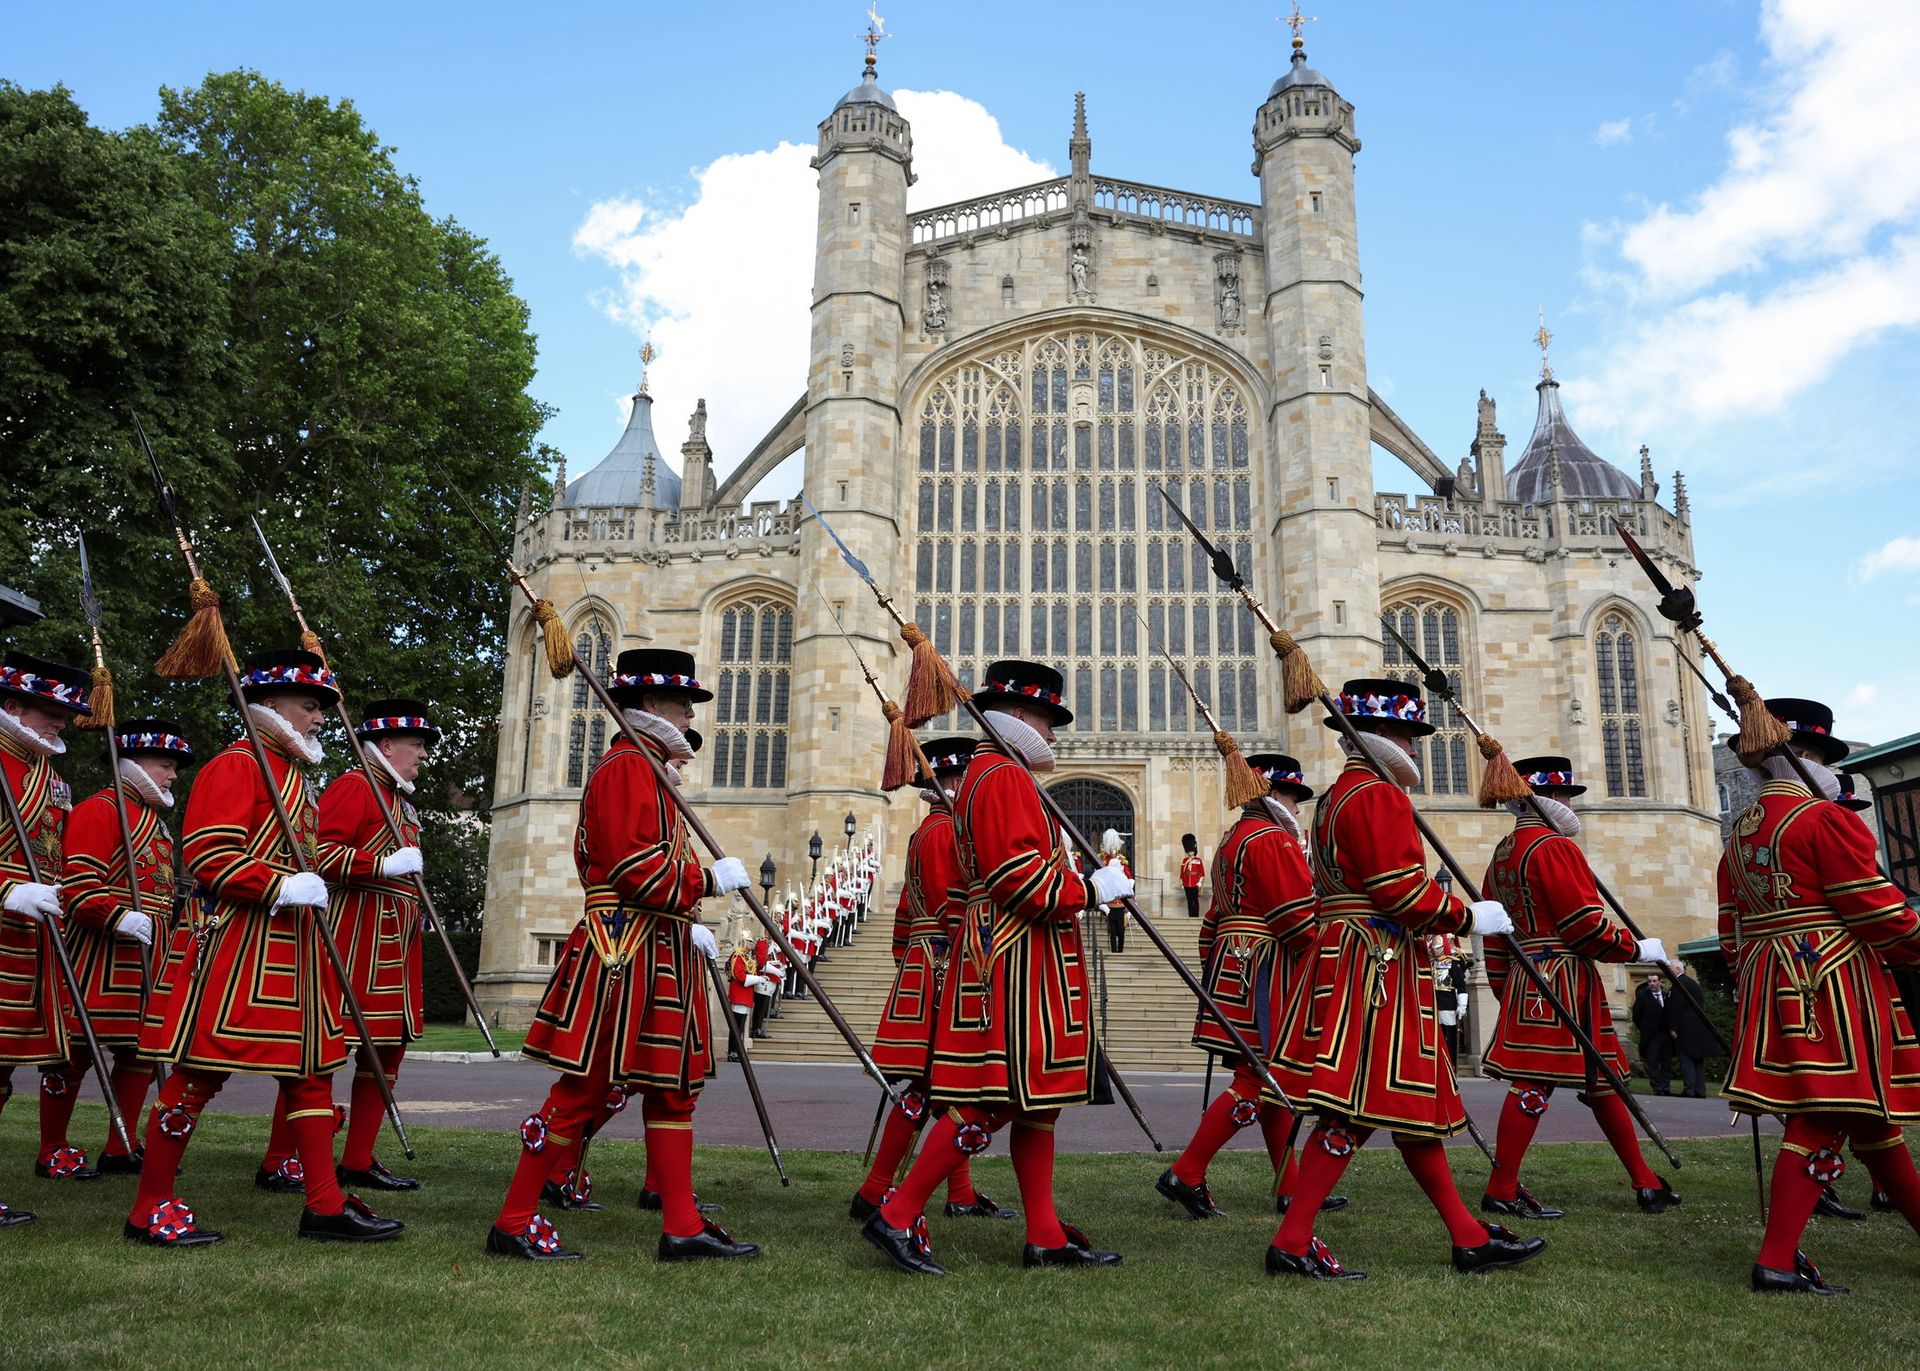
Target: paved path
831, 1107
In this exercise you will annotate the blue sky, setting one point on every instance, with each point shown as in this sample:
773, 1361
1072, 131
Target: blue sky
1716, 203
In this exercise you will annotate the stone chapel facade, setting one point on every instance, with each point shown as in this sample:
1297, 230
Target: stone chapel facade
995, 389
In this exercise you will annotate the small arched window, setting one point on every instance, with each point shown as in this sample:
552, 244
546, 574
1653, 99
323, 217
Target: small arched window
1616, 660
1434, 628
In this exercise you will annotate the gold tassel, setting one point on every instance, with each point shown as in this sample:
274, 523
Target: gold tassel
1501, 782
559, 651
903, 767
1760, 732
201, 650
932, 688
100, 700
1244, 784
1300, 682
310, 642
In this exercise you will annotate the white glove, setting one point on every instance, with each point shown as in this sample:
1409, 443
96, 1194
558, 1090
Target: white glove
405, 861
1111, 883
1490, 917
1650, 950
136, 926
753, 981
703, 942
729, 875
31, 899
302, 888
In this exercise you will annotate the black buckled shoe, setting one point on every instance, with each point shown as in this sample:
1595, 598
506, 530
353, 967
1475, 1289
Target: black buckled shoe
19, 1218
540, 1243
1804, 1279
1828, 1206
1502, 1248
712, 1242
285, 1179
1659, 1201
1074, 1253
375, 1177
1524, 1206
560, 1197
66, 1164
650, 1200
354, 1223
1317, 1264
1197, 1200
983, 1207
906, 1248
1331, 1204
1881, 1202
862, 1208
122, 1164
170, 1225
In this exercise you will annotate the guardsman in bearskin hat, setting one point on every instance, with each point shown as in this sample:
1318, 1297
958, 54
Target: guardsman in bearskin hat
377, 915
1192, 872
1254, 943
627, 1007
1369, 1054
1015, 1038
245, 985
925, 928
1540, 874
108, 940
37, 701
1807, 921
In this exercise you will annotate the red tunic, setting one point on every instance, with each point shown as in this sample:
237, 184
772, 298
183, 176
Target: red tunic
1255, 934
1802, 899
376, 920
740, 966
1016, 1014
245, 986
1192, 871
629, 967
931, 902
95, 894
1544, 881
1368, 1049
33, 1027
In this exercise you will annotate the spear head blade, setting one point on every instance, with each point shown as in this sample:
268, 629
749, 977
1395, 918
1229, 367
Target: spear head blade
273, 562
1676, 602
846, 553
153, 465
1435, 679
1223, 566
89, 602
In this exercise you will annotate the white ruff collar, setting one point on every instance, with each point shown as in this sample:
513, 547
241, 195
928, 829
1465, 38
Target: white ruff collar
1780, 769
1281, 815
145, 788
662, 732
1560, 817
378, 759
1389, 754
1025, 739
27, 738
302, 748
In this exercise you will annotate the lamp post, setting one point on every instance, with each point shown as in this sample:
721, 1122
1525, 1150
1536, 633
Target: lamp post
852, 824
814, 846
767, 873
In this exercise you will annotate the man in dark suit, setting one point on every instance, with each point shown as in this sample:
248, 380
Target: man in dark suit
1654, 1011
1691, 1039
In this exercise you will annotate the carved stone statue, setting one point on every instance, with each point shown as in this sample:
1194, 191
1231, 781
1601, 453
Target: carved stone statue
697, 425
1079, 270
1230, 305
1466, 483
934, 316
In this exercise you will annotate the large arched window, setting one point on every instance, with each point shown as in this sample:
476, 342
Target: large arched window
1434, 627
750, 695
586, 720
1038, 533
1616, 660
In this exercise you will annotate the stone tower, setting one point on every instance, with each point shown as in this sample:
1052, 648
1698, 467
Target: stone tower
1321, 509
865, 161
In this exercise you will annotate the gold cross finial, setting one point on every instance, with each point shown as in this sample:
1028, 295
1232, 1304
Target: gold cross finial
876, 33
1541, 340
1297, 21
647, 355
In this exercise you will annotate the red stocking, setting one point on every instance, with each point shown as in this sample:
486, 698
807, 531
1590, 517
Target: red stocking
940, 1156
570, 1103
669, 1116
1427, 1160
1032, 1147
1795, 1189
896, 1136
1275, 1124
176, 1113
1324, 1158
367, 1109
308, 1102
1610, 1112
59, 1092
130, 1079
279, 1137
1884, 1150
1525, 1106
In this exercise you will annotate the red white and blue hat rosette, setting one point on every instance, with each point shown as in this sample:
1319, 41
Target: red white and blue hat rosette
643, 671
1370, 701
395, 719
284, 671
1549, 773
1027, 683
45, 683
153, 738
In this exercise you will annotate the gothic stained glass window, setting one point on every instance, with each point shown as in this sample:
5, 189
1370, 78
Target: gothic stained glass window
752, 691
1434, 628
587, 726
1616, 661
1123, 410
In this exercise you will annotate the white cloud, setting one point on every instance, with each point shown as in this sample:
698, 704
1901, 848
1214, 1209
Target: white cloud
1895, 555
721, 280
1614, 131
1803, 249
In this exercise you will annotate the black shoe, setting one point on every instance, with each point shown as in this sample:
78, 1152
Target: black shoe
1524, 1206
279, 1182
375, 1177
983, 1207
1661, 1200
906, 1248
650, 1199
712, 1241
354, 1223
1197, 1200
538, 1244
863, 1208
193, 1237
1317, 1264
555, 1194
760, 1035
20, 1218
733, 1056
66, 1164
1881, 1202
1330, 1205
125, 1164
1804, 1279
1500, 1249
1073, 1254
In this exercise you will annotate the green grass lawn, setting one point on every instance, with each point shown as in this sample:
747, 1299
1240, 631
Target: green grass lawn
453, 1037
1615, 1285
